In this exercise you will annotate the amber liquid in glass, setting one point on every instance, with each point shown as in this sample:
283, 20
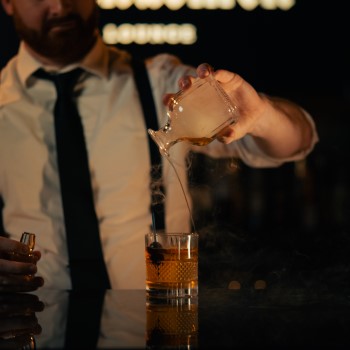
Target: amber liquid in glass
197, 141
171, 269
200, 141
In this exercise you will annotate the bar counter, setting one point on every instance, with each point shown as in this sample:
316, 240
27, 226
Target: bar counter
286, 291
246, 314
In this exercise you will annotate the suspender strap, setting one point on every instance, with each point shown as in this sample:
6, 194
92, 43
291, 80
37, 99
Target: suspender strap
2, 230
150, 115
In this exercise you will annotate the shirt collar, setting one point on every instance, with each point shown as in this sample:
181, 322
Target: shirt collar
95, 62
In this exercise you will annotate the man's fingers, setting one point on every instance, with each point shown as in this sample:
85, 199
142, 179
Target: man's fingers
17, 267
20, 283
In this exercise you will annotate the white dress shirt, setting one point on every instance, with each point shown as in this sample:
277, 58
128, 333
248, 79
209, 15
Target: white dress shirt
117, 143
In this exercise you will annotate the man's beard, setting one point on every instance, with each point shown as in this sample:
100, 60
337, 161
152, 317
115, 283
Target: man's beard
63, 47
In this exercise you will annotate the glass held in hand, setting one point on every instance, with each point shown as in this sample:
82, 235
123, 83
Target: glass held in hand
29, 240
196, 115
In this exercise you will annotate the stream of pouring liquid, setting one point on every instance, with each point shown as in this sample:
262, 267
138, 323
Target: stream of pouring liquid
183, 191
200, 141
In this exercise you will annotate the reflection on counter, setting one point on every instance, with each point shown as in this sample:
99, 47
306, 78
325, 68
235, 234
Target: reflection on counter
275, 316
172, 323
18, 322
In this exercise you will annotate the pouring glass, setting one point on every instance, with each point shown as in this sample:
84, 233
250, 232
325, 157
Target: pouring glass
196, 115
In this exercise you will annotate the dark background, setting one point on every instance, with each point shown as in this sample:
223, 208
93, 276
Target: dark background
302, 51
301, 54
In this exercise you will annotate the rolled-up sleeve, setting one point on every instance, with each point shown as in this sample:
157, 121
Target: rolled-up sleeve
249, 152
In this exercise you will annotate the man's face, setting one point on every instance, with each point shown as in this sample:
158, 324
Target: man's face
60, 30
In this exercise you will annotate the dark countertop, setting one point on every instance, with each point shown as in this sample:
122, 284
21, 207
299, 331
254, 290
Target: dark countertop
249, 316
253, 292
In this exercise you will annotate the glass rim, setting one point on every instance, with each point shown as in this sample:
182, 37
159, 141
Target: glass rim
177, 234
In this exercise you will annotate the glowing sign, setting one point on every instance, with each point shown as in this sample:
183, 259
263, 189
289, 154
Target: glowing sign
173, 34
141, 33
175, 5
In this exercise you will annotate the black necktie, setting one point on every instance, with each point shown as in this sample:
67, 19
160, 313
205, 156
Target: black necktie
86, 261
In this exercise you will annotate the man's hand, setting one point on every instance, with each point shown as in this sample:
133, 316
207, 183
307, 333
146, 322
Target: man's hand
18, 267
279, 127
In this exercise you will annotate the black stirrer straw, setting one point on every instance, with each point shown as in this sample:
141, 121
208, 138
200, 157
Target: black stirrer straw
155, 244
154, 226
